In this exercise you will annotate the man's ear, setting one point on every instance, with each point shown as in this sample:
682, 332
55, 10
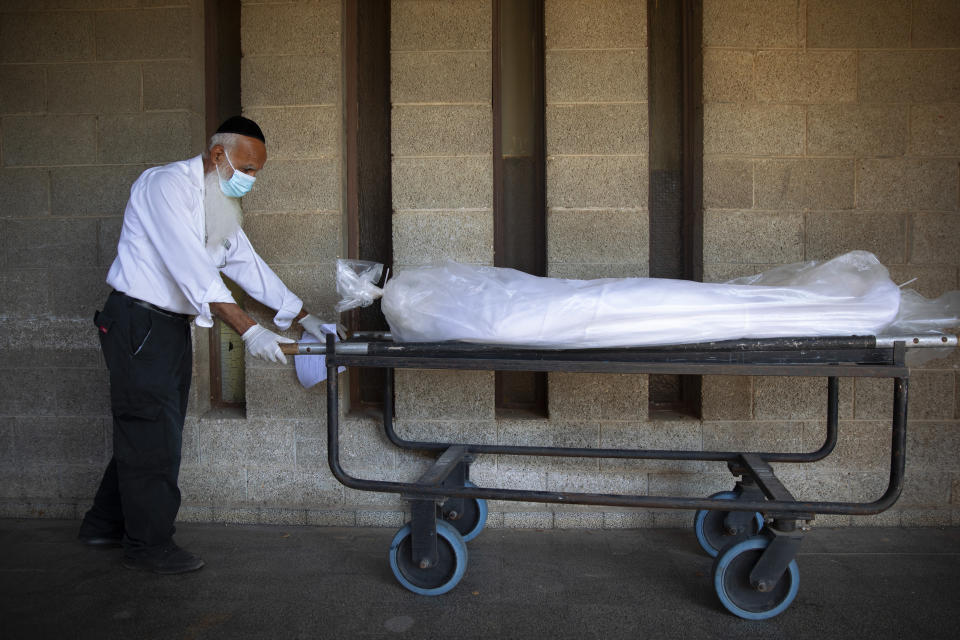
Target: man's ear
216, 153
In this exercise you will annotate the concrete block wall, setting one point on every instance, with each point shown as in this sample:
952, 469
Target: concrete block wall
831, 126
91, 94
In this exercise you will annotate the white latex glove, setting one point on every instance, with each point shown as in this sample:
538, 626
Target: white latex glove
313, 324
263, 343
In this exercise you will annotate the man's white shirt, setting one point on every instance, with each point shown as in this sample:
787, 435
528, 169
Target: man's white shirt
162, 258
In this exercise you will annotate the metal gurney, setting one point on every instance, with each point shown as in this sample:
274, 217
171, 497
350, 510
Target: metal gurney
753, 531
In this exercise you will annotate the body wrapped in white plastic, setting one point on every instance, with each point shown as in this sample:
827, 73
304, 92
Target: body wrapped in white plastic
849, 295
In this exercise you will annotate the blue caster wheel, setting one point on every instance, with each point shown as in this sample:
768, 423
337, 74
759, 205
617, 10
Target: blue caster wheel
731, 579
438, 579
713, 534
473, 518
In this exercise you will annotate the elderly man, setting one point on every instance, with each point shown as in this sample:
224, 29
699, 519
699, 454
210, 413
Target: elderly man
181, 229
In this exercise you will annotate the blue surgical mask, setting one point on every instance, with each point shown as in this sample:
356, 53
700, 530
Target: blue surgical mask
239, 183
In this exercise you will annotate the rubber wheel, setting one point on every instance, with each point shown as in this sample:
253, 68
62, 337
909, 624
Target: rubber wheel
731, 579
711, 532
474, 517
438, 579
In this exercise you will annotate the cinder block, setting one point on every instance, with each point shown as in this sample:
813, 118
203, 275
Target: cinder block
146, 34
148, 137
46, 37
298, 185
633, 519
931, 281
780, 184
919, 77
743, 23
857, 130
925, 488
758, 435
582, 396
596, 76
936, 24
934, 239
813, 77
331, 518
528, 520
27, 393
23, 292
440, 76
82, 392
673, 434
282, 488
236, 442
727, 398
597, 237
49, 342
108, 235
930, 517
586, 24
441, 130
290, 238
580, 271
723, 271
858, 24
24, 193
597, 181
597, 129
443, 183
428, 237
291, 80
364, 450
170, 85
793, 398
76, 482
22, 89
896, 184
862, 445
828, 183
427, 25
315, 284
384, 519
932, 398
578, 520
728, 75
614, 483
752, 237
93, 88
935, 129
50, 243
829, 234
760, 130
92, 190
211, 484
550, 434
274, 392
49, 140
65, 440
462, 395
727, 183
299, 132
299, 27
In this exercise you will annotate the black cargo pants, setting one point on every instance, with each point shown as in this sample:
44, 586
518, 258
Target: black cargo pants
149, 356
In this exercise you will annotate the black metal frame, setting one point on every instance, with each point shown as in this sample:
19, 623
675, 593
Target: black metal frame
832, 358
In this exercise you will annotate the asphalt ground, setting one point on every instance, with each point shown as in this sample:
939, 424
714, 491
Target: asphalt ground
303, 582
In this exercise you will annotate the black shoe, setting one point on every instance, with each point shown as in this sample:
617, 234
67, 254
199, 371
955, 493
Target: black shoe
101, 540
172, 559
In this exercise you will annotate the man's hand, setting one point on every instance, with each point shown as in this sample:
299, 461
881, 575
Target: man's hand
312, 324
265, 344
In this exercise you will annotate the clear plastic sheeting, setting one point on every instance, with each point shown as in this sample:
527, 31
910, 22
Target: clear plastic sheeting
849, 295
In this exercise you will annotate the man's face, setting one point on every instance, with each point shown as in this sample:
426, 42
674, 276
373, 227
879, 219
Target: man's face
248, 156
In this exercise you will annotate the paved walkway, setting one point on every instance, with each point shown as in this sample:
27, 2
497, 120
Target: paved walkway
271, 582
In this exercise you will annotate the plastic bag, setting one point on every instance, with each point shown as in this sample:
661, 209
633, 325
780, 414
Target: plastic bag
355, 283
849, 295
